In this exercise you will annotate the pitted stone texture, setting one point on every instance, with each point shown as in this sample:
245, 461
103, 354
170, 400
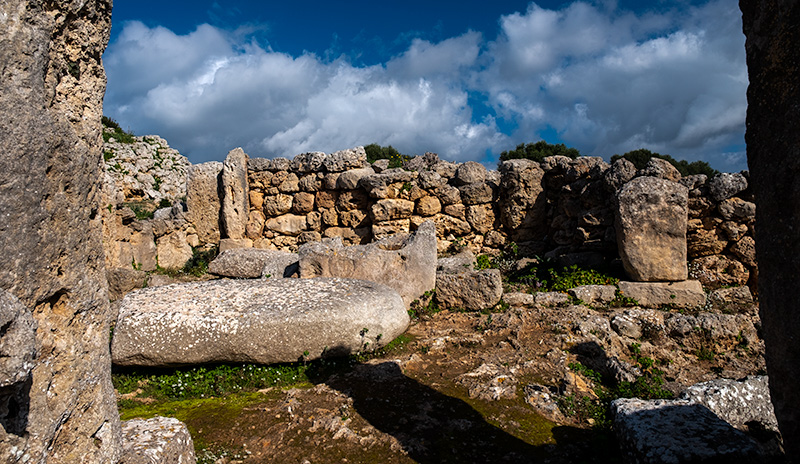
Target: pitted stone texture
250, 263
651, 224
471, 290
524, 202
345, 159
260, 321
17, 341
594, 294
235, 199
726, 185
736, 402
404, 262
678, 431
161, 440
685, 294
202, 200
51, 103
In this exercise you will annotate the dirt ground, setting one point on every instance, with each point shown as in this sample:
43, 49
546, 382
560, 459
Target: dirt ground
519, 385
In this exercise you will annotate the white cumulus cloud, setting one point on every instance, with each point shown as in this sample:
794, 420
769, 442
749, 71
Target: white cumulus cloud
605, 80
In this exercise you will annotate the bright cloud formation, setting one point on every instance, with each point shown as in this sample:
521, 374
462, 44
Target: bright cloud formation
604, 81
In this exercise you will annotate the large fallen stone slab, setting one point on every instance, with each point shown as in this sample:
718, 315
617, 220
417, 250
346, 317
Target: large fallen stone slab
258, 321
404, 262
162, 440
651, 220
739, 403
678, 431
684, 294
252, 263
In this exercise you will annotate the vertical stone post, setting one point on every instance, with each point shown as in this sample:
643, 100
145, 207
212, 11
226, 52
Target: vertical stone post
52, 260
772, 28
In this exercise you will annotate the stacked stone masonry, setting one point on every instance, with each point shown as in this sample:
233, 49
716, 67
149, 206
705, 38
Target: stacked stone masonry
562, 209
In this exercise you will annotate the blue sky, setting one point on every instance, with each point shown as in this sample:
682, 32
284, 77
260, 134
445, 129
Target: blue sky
464, 79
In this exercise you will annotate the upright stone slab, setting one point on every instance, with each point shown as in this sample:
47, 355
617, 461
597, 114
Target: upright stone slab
202, 200
773, 156
406, 263
650, 220
259, 321
235, 201
522, 199
52, 260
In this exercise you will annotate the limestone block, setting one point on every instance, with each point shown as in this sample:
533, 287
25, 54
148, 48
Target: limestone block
404, 262
389, 209
726, 185
390, 228
522, 193
261, 321
275, 205
651, 221
143, 249
359, 236
255, 225
234, 198
348, 180
303, 203
345, 159
326, 199
428, 206
355, 218
470, 290
475, 193
250, 263
156, 440
288, 224
470, 173
173, 250
594, 294
718, 270
683, 294
203, 206
231, 243
480, 217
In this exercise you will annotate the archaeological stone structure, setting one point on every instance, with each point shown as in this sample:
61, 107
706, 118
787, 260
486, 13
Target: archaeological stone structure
773, 153
57, 404
663, 227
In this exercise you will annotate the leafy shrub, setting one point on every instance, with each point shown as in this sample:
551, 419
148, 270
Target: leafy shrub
142, 210
642, 156
545, 276
539, 151
119, 135
376, 152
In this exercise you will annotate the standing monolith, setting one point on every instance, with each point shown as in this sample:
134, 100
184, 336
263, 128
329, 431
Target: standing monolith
773, 156
58, 406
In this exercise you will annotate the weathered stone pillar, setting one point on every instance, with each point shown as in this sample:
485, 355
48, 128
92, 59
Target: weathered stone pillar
772, 28
202, 200
235, 202
51, 99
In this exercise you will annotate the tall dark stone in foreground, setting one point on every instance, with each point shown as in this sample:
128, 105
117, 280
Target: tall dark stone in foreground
772, 28
60, 408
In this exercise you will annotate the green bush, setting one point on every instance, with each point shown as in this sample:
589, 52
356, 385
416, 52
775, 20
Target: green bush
539, 151
545, 276
642, 156
376, 152
198, 264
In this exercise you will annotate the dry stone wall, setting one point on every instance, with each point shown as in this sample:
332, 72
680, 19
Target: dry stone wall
564, 209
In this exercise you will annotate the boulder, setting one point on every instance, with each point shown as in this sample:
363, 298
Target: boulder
251, 263
717, 271
732, 300
739, 403
51, 103
348, 180
288, 224
464, 261
202, 200
519, 299
650, 222
261, 321
122, 280
470, 290
235, 203
685, 294
345, 159
678, 431
726, 185
550, 298
620, 173
662, 169
404, 262
470, 173
157, 440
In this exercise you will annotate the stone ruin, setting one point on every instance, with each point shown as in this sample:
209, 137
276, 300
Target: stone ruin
56, 399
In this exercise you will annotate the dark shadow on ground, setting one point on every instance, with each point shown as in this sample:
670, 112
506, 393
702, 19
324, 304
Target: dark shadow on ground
436, 428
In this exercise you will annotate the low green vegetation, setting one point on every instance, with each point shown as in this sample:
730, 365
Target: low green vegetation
119, 135
546, 276
198, 264
376, 152
142, 209
424, 307
642, 156
539, 151
649, 385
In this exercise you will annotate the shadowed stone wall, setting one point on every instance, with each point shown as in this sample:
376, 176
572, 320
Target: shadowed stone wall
772, 28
